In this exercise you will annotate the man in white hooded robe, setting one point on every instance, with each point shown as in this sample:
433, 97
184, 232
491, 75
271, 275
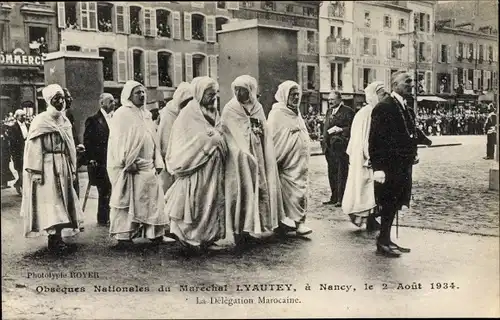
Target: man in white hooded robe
50, 203
134, 162
291, 145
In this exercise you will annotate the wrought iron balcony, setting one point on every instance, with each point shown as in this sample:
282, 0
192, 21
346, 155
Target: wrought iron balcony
339, 47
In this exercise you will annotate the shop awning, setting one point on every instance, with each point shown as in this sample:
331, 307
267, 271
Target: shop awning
431, 98
486, 97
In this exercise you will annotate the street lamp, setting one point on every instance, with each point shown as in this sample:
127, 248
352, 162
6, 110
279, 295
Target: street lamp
415, 46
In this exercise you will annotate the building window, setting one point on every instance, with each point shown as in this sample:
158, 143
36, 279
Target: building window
3, 36
135, 20
107, 63
311, 77
421, 51
369, 46
198, 27
387, 21
199, 65
336, 9
289, 8
444, 53
165, 69
38, 40
311, 44
369, 75
460, 52
470, 53
163, 22
88, 15
218, 25
402, 24
443, 83
104, 17
70, 13
422, 21
395, 50
247, 4
310, 12
490, 54
481, 54
336, 76
74, 48
221, 4
138, 57
368, 20
268, 5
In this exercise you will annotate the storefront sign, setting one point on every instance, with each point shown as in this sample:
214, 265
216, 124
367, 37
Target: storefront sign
391, 63
20, 60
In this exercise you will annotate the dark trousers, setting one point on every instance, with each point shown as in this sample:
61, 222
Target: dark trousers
490, 145
387, 213
18, 166
101, 181
338, 166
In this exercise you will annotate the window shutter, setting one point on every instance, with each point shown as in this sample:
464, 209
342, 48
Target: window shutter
485, 80
387, 79
147, 71
122, 66
495, 54
448, 53
374, 46
440, 55
300, 45
120, 18
131, 63
373, 75
316, 77
485, 53
455, 77
146, 17
213, 67
428, 52
153, 68
61, 15
457, 50
416, 20
389, 49
92, 9
361, 85
428, 22
303, 72
153, 23
177, 68
465, 78
187, 26
84, 16
428, 81
176, 25
316, 42
474, 52
189, 66
474, 80
210, 25
233, 5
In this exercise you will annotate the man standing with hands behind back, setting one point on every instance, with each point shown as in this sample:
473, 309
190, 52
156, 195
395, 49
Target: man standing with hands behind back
336, 132
95, 140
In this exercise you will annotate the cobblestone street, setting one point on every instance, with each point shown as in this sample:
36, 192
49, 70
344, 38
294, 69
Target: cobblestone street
451, 193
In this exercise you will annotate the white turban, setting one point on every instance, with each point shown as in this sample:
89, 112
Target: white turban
48, 93
200, 85
284, 91
371, 92
127, 91
248, 82
19, 112
183, 92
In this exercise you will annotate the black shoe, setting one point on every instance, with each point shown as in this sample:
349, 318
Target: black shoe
329, 202
388, 251
103, 223
488, 158
123, 245
400, 249
338, 205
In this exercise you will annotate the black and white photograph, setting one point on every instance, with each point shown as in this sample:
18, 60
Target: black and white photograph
249, 159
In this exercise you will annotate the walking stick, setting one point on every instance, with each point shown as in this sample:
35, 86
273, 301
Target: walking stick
86, 196
397, 224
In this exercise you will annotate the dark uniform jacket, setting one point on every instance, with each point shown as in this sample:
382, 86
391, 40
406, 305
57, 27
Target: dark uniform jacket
337, 142
17, 144
95, 139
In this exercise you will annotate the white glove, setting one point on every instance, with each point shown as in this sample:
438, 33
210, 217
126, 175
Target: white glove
379, 176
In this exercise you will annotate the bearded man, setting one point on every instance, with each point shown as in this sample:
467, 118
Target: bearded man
291, 144
195, 156
133, 163
254, 203
50, 203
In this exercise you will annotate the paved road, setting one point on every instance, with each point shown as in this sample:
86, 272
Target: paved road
336, 253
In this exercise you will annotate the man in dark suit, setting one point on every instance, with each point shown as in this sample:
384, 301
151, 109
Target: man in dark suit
336, 132
393, 151
490, 129
95, 139
18, 134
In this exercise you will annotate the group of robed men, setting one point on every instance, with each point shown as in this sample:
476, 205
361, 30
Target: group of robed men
209, 180
227, 176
